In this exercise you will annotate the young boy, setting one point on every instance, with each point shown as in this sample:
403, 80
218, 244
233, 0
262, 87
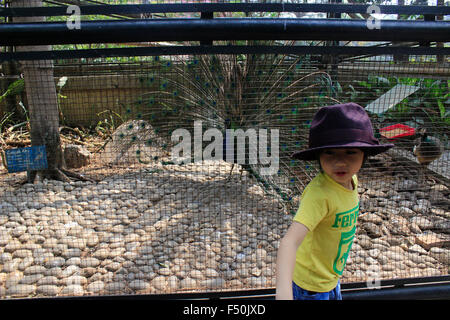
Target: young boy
313, 253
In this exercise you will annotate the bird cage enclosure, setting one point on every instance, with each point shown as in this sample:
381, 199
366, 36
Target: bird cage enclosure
161, 162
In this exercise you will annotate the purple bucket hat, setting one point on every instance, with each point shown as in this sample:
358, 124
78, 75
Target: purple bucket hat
341, 126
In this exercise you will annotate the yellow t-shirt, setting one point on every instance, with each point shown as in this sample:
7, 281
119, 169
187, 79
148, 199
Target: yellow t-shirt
329, 211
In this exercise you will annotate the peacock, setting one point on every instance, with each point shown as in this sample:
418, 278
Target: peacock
273, 92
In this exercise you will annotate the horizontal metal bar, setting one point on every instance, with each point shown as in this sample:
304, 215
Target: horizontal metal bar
428, 292
436, 287
439, 291
125, 31
400, 282
199, 50
223, 7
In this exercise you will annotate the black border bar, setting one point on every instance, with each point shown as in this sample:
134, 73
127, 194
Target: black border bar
223, 7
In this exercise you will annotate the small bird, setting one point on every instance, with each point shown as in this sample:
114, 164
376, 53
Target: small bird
426, 149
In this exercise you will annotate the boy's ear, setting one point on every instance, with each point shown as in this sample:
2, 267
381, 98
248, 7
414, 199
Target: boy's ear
364, 158
318, 162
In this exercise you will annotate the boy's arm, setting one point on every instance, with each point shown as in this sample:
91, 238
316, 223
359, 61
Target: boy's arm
286, 259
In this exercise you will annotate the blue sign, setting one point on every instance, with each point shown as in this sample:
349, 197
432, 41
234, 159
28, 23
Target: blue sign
25, 159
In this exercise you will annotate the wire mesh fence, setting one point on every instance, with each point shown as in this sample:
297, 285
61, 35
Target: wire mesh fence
147, 170
158, 207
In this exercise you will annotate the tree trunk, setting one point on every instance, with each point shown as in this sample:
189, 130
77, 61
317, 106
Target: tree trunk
43, 105
44, 116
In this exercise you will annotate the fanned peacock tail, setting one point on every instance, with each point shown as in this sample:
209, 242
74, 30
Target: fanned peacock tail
264, 91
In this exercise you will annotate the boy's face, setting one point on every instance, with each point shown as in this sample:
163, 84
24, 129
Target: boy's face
341, 164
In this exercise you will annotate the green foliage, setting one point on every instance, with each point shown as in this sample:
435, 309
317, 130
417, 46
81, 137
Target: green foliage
15, 88
107, 125
6, 120
433, 99
428, 106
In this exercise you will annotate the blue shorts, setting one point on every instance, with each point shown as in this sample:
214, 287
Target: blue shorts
302, 294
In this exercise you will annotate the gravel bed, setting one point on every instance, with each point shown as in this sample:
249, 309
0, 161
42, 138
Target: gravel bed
167, 228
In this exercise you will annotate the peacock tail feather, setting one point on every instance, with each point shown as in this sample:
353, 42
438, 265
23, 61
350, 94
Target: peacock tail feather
251, 91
